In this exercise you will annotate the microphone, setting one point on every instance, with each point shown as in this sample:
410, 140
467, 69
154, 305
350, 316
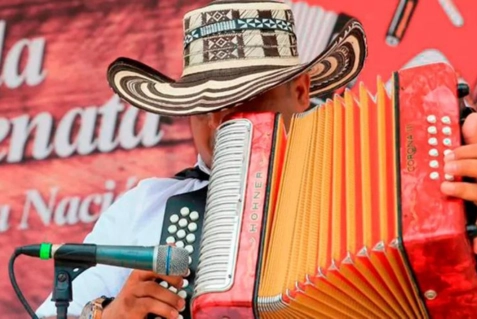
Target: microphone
165, 260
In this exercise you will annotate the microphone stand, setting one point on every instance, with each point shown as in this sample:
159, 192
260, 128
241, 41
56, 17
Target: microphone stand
65, 273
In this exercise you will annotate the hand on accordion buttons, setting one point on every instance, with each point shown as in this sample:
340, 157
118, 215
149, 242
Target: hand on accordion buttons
141, 295
462, 162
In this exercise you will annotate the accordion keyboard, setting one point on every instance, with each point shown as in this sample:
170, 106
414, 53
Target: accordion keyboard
223, 217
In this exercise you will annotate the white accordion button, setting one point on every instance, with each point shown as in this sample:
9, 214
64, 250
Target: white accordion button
183, 222
189, 249
182, 294
181, 233
164, 284
434, 175
185, 211
433, 141
432, 119
434, 164
194, 216
192, 227
180, 317
172, 229
446, 120
185, 283
173, 289
174, 219
433, 152
180, 244
447, 130
447, 142
432, 130
170, 240
449, 177
190, 262
190, 238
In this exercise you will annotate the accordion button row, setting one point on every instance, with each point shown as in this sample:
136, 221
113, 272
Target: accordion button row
433, 119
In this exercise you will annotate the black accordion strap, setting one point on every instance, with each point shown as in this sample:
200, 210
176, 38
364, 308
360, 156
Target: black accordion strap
192, 172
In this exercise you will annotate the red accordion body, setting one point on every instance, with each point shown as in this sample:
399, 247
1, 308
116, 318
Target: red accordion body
422, 266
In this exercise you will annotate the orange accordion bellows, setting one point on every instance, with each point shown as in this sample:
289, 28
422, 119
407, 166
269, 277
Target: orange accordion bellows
342, 217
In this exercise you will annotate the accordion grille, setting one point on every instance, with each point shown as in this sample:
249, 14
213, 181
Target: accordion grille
224, 208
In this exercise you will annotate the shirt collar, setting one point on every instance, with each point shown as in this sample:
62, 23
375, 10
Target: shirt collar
202, 166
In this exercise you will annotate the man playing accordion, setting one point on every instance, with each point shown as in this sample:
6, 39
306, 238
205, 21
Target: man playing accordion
239, 57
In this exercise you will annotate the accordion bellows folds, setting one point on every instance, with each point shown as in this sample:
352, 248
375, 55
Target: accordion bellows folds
342, 218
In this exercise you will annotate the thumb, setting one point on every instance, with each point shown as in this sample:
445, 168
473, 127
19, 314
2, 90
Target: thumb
469, 129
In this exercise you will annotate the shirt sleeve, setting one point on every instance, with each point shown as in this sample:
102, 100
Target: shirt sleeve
111, 228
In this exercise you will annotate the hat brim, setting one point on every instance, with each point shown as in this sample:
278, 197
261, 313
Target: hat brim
152, 91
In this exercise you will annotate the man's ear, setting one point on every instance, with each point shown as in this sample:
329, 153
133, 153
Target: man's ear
301, 90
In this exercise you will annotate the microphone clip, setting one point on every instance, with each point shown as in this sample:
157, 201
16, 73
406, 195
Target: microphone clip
65, 273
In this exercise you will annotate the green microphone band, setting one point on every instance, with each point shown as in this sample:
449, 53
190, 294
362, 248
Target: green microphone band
45, 250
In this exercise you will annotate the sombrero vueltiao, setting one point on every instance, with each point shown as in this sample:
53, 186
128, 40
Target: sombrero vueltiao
233, 51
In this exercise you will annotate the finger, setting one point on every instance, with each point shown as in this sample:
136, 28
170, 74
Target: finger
467, 167
462, 152
151, 305
175, 281
143, 275
469, 129
465, 191
158, 292
475, 246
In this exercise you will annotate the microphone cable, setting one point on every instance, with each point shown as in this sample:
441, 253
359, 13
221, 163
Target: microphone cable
16, 288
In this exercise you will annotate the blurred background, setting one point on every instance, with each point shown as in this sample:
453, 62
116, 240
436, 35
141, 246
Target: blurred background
69, 147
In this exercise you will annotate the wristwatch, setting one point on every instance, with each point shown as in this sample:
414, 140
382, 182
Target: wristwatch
94, 309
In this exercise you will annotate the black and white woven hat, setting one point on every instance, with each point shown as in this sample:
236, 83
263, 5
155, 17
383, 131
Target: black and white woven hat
233, 51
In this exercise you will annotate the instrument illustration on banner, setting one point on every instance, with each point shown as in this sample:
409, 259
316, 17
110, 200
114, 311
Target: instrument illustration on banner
400, 21
452, 12
331, 220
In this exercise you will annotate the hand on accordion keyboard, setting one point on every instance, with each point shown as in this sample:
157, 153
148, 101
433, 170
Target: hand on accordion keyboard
462, 162
141, 295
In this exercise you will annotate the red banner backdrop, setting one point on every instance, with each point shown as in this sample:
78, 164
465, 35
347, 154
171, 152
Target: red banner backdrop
69, 146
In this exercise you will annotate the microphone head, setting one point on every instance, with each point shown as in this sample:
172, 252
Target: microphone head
171, 261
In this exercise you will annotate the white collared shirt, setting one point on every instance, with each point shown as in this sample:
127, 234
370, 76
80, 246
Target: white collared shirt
134, 219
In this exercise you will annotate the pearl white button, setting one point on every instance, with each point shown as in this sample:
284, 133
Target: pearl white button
190, 262
447, 142
190, 238
431, 119
189, 249
172, 229
180, 317
194, 216
434, 175
433, 141
181, 233
433, 152
174, 218
182, 294
449, 177
164, 284
434, 164
180, 244
446, 120
192, 227
183, 222
185, 283
170, 240
173, 289
432, 130
446, 130
185, 211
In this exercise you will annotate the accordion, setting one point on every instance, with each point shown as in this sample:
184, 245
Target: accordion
343, 216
